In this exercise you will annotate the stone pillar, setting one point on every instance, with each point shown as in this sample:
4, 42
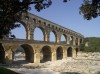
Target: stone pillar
74, 39
58, 38
64, 53
78, 41
73, 52
68, 39
53, 56
46, 36
36, 57
8, 56
29, 35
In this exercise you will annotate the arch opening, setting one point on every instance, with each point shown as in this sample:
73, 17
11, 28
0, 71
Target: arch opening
45, 54
38, 34
2, 54
59, 53
69, 52
18, 33
52, 37
23, 54
63, 39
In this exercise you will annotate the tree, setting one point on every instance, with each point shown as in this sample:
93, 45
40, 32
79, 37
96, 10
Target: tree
11, 11
90, 9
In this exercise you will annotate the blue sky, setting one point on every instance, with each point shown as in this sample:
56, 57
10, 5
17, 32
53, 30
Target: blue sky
67, 15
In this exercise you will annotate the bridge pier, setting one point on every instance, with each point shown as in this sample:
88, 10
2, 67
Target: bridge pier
58, 38
36, 57
74, 40
53, 56
65, 54
68, 39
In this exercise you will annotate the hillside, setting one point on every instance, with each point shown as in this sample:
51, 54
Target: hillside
91, 44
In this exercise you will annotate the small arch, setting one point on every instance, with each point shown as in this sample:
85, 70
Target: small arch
59, 53
27, 18
34, 20
2, 54
45, 23
39, 21
45, 54
63, 39
38, 34
69, 52
59, 29
56, 28
53, 36
24, 53
53, 26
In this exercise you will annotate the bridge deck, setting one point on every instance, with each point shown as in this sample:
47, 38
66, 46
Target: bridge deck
24, 41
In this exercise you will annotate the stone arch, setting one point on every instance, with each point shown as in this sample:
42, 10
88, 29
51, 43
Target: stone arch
69, 52
46, 54
59, 53
22, 29
43, 33
55, 36
2, 54
63, 39
29, 52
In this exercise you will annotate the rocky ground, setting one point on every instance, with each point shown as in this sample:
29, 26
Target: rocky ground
84, 63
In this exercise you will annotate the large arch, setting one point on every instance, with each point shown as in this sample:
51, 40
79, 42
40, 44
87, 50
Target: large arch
59, 53
63, 39
20, 32
53, 36
38, 34
2, 54
28, 52
46, 54
69, 52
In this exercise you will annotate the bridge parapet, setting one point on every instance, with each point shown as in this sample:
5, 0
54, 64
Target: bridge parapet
24, 41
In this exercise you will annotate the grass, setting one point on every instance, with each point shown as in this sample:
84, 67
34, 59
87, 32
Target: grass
6, 71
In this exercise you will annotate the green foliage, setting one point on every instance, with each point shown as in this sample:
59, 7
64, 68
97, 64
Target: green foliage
90, 9
11, 10
6, 71
93, 45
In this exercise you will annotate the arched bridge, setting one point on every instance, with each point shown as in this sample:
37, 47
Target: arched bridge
51, 51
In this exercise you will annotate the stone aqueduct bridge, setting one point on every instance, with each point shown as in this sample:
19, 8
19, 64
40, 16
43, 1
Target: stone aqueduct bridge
33, 49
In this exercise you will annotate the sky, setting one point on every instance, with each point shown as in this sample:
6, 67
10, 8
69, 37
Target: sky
66, 15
